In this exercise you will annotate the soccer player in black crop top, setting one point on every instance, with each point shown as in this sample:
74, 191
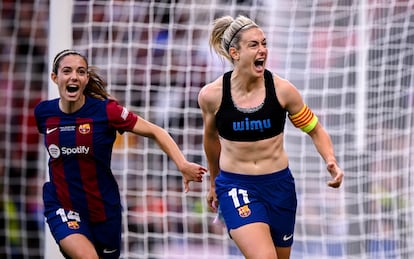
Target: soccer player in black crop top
244, 112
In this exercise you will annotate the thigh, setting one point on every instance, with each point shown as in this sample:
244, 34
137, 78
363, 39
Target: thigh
77, 246
254, 241
70, 230
71, 233
63, 223
283, 252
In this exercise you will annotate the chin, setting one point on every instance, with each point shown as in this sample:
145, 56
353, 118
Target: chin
258, 72
72, 98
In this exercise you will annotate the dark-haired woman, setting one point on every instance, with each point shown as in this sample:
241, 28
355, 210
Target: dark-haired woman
82, 200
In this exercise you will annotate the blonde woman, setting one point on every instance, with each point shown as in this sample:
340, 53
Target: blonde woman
244, 113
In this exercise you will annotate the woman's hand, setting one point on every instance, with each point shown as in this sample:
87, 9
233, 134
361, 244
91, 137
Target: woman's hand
212, 201
192, 172
336, 173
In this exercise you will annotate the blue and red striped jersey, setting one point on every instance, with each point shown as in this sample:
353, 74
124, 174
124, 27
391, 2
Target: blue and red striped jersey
80, 150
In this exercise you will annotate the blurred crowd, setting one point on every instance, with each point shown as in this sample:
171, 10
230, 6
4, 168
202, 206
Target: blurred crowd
23, 72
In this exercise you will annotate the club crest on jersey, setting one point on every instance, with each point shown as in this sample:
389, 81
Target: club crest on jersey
73, 224
84, 128
244, 211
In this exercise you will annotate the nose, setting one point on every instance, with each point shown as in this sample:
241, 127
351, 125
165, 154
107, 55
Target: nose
74, 76
262, 48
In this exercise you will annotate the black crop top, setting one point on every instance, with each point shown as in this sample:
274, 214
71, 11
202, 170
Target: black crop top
262, 122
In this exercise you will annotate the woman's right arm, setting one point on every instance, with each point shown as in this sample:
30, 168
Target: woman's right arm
207, 99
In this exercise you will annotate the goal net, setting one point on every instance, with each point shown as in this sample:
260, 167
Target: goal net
351, 60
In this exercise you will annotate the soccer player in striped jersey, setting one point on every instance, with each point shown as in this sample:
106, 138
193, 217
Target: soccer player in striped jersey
244, 113
81, 199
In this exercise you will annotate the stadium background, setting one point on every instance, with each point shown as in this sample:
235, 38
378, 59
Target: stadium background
352, 61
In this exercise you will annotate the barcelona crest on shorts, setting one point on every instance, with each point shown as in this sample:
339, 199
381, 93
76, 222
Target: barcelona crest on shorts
73, 224
244, 211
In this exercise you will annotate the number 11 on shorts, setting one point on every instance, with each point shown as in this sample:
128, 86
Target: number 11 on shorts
234, 193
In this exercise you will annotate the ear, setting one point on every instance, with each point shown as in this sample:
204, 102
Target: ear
53, 76
234, 53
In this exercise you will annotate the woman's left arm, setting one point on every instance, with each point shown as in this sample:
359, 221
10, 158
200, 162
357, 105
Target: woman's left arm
290, 98
324, 146
191, 171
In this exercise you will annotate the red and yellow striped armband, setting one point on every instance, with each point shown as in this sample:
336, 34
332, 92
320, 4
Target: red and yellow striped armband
305, 119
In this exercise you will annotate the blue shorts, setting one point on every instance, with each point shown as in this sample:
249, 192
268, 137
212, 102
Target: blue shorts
270, 198
106, 235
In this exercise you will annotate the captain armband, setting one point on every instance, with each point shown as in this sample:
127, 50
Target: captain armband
305, 119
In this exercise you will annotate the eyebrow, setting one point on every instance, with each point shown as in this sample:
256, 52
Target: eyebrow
256, 41
76, 68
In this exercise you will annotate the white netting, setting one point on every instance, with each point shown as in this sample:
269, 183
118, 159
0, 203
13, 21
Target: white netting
351, 60
23, 42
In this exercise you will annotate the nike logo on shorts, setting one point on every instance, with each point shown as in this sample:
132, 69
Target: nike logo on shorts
109, 251
286, 237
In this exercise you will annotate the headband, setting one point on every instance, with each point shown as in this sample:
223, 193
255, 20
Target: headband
64, 53
234, 35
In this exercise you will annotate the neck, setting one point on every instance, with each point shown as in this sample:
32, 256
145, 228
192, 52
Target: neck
245, 80
71, 106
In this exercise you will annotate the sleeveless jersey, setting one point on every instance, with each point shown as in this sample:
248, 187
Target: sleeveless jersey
262, 122
80, 148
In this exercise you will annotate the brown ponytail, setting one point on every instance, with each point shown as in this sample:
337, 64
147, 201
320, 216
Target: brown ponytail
96, 86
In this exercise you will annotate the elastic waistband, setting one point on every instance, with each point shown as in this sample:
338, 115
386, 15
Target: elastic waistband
256, 178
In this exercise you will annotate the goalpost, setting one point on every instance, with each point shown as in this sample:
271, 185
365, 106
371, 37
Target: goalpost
60, 37
353, 62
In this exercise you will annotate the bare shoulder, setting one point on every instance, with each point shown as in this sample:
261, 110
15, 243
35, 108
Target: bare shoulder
282, 84
210, 95
288, 95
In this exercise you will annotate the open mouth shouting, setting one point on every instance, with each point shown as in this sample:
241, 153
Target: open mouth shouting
259, 64
72, 88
